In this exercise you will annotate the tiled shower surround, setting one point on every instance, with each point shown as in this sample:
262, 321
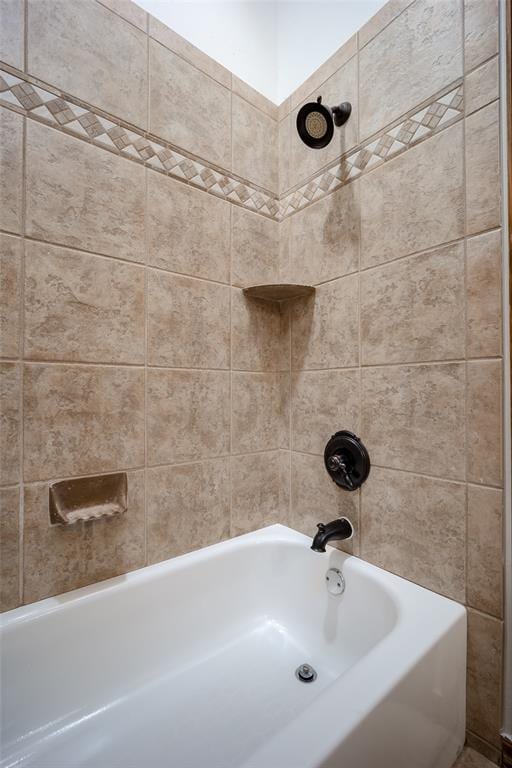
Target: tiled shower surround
143, 185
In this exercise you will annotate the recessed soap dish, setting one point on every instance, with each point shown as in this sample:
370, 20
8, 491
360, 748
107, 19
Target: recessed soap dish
88, 498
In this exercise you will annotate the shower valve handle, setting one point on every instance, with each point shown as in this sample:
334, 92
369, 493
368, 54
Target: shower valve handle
337, 464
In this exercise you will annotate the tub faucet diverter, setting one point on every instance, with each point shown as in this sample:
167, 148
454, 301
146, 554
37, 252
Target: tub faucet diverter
338, 530
348, 464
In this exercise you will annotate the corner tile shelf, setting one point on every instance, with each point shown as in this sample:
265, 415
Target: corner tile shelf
278, 291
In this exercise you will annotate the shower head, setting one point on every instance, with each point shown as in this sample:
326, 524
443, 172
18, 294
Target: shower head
315, 123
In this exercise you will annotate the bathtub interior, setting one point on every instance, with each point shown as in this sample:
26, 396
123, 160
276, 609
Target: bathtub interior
206, 678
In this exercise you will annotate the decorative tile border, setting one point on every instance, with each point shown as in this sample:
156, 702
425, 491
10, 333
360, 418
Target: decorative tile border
442, 112
42, 105
68, 115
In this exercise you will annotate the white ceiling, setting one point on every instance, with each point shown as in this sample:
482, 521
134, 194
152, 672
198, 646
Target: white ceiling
274, 45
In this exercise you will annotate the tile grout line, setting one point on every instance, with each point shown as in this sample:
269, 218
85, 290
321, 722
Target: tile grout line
359, 310
117, 259
418, 473
21, 374
25, 35
146, 383
146, 304
21, 350
142, 467
164, 270
359, 317
501, 680
257, 372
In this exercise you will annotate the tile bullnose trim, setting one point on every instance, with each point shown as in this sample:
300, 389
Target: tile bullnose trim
21, 93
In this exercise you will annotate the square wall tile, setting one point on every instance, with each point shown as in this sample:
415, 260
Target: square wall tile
84, 49
254, 248
323, 402
255, 495
410, 203
325, 326
80, 307
259, 334
187, 415
12, 32
188, 108
9, 548
484, 413
324, 237
485, 555
58, 558
432, 29
485, 649
416, 527
188, 322
255, 144
82, 420
82, 196
10, 423
483, 188
11, 165
411, 309
11, 252
484, 295
316, 499
188, 507
481, 22
413, 415
188, 230
256, 412
341, 86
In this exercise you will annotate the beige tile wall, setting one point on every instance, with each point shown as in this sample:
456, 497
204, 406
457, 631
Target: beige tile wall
127, 342
402, 341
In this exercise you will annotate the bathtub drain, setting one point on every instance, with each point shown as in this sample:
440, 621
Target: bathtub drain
305, 673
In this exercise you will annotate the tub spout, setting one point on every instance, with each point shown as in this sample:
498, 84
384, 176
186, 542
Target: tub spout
338, 530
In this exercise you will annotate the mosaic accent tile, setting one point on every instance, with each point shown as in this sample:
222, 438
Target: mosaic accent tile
34, 101
64, 113
442, 111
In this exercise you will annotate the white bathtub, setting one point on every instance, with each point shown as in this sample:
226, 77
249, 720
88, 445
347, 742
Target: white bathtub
190, 663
